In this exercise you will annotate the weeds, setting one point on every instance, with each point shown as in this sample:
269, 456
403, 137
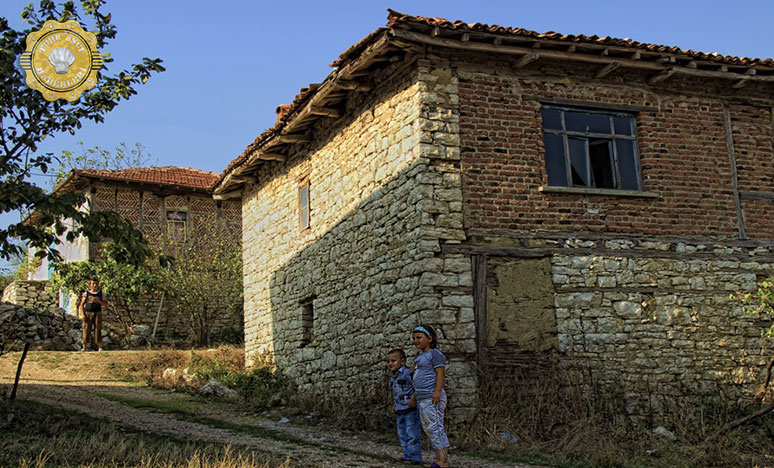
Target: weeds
261, 387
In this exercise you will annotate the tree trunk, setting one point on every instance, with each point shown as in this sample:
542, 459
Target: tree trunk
18, 373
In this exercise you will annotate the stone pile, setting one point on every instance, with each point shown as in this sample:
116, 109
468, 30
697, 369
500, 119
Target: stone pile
50, 330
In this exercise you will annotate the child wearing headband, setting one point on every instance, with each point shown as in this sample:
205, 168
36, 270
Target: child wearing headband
429, 393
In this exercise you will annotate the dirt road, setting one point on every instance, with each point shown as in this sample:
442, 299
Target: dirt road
83, 382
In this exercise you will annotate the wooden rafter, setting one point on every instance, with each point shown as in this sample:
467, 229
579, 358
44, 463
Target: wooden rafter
607, 69
353, 86
294, 138
271, 157
661, 76
526, 60
326, 111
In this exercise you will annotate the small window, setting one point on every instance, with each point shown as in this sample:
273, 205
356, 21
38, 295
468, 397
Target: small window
303, 204
590, 148
307, 321
176, 226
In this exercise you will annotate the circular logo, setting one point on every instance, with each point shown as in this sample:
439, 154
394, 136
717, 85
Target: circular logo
61, 60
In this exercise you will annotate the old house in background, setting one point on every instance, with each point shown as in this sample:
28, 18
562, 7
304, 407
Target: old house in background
163, 202
540, 198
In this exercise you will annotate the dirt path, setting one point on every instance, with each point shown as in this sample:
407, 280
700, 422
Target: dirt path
82, 382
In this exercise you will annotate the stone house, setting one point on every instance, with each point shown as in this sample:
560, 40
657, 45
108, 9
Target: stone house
539, 198
166, 201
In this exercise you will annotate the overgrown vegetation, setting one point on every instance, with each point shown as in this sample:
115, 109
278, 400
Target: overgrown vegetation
551, 418
50, 437
260, 387
204, 275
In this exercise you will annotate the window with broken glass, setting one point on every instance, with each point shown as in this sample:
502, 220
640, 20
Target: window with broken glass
590, 148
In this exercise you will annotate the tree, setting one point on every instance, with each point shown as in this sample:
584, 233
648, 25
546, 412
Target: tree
26, 118
204, 276
121, 157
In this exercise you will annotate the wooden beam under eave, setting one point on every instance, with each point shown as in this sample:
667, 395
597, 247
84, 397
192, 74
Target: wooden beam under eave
228, 195
294, 138
244, 179
526, 60
740, 84
271, 157
326, 111
607, 69
353, 86
659, 77
652, 65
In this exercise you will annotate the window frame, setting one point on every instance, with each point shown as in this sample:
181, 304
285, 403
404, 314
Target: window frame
304, 211
611, 138
173, 222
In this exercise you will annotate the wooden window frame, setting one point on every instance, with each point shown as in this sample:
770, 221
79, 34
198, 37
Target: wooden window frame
173, 222
612, 137
304, 211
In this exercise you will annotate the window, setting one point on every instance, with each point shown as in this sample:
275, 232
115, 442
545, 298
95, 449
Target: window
176, 226
307, 321
303, 204
590, 148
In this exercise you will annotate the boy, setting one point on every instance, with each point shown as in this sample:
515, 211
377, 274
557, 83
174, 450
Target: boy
406, 414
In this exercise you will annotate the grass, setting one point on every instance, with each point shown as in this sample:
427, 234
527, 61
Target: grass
42, 436
557, 422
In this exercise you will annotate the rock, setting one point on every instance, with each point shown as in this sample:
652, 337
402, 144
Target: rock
169, 374
664, 432
216, 389
141, 330
508, 437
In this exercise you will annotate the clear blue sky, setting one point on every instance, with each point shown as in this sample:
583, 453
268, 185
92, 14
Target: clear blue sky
231, 62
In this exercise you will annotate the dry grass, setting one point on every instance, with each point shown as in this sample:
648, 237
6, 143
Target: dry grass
588, 426
39, 436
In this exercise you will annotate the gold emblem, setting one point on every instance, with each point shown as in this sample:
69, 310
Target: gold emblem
61, 60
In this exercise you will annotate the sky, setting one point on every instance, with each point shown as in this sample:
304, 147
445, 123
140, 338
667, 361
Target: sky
230, 63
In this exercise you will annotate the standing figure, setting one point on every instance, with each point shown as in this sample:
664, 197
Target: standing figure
405, 407
90, 313
428, 390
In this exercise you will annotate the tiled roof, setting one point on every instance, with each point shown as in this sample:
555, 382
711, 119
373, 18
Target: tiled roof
396, 20
164, 175
400, 19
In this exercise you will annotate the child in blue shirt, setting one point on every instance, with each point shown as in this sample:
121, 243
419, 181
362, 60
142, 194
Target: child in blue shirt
430, 396
406, 414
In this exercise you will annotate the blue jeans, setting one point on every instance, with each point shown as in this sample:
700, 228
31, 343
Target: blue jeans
410, 435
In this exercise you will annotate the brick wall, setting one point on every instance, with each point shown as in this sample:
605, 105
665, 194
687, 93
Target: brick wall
682, 146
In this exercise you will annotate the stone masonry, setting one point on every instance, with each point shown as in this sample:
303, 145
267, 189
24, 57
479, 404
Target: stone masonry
429, 202
30, 294
385, 191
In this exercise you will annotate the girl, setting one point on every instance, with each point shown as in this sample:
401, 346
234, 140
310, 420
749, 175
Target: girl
429, 393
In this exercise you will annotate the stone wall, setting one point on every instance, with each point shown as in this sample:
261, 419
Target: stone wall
328, 302
30, 294
648, 317
50, 330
